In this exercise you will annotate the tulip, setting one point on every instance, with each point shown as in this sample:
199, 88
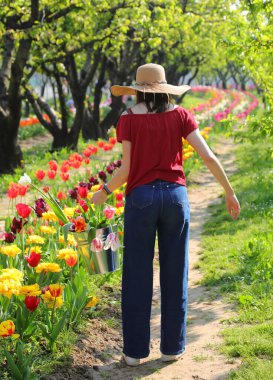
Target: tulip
112, 140
93, 181
96, 245
7, 328
46, 189
73, 193
23, 210
51, 174
61, 195
102, 175
32, 302
83, 191
83, 205
53, 165
25, 180
119, 197
22, 190
87, 160
13, 191
87, 152
40, 207
16, 225
110, 168
64, 176
33, 259
65, 166
80, 224
9, 237
71, 261
109, 212
111, 242
40, 174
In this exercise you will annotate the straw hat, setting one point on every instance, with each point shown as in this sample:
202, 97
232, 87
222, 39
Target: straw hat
150, 78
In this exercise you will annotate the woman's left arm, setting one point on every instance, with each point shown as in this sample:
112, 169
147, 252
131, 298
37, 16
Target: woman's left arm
120, 176
213, 164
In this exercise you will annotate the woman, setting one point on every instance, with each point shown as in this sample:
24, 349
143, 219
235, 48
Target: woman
156, 202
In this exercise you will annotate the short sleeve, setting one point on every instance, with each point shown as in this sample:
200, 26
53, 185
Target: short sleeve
189, 124
123, 130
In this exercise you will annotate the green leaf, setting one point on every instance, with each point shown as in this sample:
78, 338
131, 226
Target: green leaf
59, 326
13, 367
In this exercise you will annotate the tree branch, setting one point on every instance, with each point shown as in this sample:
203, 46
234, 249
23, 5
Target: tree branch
39, 104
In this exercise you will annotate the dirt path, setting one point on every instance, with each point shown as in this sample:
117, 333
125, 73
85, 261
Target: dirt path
98, 351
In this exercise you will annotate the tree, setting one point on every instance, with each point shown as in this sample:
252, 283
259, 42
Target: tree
21, 24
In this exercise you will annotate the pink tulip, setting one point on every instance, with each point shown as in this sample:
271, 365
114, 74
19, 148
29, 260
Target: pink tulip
109, 212
96, 245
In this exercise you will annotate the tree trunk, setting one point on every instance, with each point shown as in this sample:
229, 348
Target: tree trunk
74, 133
112, 117
10, 152
90, 129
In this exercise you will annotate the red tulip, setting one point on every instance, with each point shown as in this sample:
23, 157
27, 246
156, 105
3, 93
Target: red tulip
87, 160
65, 166
119, 204
23, 210
33, 259
82, 191
46, 189
53, 165
32, 302
76, 164
22, 190
112, 140
87, 152
40, 174
71, 261
51, 174
61, 195
83, 205
80, 224
64, 176
119, 197
13, 190
92, 148
100, 144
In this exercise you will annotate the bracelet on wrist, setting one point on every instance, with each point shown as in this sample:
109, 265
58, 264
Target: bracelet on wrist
106, 190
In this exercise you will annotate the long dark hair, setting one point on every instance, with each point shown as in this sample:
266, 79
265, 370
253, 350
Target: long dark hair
159, 101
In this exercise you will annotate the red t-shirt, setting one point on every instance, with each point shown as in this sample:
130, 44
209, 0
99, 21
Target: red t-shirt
156, 145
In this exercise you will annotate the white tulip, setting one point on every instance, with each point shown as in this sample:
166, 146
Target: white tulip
25, 180
111, 242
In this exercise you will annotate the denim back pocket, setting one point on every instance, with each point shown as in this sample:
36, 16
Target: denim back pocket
178, 195
142, 196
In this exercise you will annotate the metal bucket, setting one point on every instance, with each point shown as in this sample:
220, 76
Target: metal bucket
101, 262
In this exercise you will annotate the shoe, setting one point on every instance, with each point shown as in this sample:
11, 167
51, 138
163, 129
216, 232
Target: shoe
170, 358
131, 361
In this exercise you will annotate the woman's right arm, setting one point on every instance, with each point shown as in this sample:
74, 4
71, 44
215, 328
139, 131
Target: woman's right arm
196, 140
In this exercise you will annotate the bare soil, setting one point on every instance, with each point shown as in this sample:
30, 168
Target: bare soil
97, 354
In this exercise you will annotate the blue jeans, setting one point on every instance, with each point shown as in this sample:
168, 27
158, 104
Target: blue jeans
161, 207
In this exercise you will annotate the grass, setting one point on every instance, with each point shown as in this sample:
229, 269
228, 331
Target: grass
31, 131
237, 260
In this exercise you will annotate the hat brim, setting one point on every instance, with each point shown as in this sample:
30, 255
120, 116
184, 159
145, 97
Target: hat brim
162, 88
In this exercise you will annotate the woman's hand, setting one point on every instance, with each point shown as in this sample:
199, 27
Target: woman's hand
233, 205
99, 197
